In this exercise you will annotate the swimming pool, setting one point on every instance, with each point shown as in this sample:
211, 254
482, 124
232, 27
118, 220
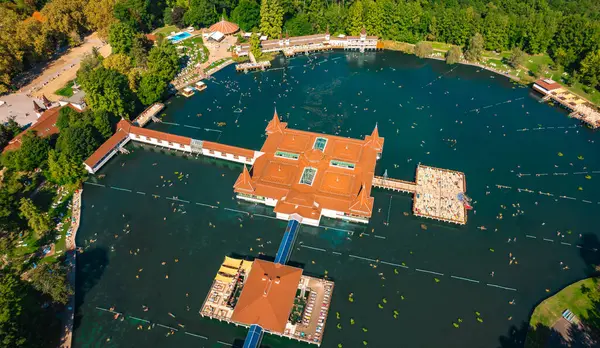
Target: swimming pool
179, 36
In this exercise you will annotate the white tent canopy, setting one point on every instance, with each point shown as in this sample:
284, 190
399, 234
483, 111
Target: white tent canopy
217, 36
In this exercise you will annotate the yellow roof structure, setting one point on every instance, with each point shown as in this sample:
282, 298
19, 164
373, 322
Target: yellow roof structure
228, 271
246, 265
224, 279
231, 262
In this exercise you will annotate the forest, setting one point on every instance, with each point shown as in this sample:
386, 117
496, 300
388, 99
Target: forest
569, 31
137, 73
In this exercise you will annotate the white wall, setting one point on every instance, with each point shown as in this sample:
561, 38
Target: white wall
163, 143
305, 221
228, 157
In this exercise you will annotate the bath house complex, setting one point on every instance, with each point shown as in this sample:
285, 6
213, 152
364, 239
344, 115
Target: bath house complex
312, 175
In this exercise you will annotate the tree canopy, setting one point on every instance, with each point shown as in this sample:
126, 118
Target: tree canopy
108, 90
246, 15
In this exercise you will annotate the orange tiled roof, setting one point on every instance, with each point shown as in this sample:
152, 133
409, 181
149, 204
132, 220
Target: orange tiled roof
333, 187
244, 182
548, 84
44, 126
234, 150
268, 295
106, 147
224, 27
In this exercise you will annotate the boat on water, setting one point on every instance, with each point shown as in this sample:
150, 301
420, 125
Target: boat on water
483, 228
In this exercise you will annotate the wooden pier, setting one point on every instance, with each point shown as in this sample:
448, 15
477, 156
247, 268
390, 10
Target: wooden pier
436, 193
292, 51
394, 184
148, 114
579, 108
245, 67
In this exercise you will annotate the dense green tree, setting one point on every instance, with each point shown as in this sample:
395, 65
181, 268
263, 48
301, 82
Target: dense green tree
589, 71
8, 131
108, 90
38, 221
177, 16
255, 46
335, 17
315, 15
453, 55
271, 18
102, 123
66, 16
495, 31
11, 308
139, 50
374, 18
475, 48
99, 14
119, 62
66, 115
163, 61
298, 26
355, 22
89, 62
142, 15
51, 279
78, 141
201, 13
423, 49
120, 37
151, 89
246, 15
64, 169
31, 155
517, 56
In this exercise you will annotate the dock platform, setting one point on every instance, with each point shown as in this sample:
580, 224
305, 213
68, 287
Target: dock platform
245, 67
436, 193
148, 114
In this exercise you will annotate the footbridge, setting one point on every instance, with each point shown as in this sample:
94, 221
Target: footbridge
394, 184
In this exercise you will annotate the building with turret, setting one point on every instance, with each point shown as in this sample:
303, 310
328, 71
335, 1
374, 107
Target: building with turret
312, 175
318, 42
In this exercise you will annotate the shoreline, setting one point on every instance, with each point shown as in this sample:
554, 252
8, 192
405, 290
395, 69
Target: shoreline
69, 314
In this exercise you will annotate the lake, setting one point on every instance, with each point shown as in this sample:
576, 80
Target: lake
142, 249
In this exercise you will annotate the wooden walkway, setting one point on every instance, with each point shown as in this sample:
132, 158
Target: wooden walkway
394, 184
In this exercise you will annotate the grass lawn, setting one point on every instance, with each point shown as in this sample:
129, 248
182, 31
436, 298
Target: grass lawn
440, 46
195, 44
166, 30
576, 297
216, 63
67, 90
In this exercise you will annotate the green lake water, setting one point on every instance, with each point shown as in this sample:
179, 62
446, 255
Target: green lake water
455, 117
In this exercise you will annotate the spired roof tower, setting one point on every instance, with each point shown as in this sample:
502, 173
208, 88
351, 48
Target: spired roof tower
275, 125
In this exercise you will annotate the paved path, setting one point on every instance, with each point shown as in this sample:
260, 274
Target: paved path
55, 76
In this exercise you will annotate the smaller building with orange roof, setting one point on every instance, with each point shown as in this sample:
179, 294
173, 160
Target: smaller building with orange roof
279, 298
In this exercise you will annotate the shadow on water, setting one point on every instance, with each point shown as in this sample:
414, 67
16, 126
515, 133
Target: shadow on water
587, 334
589, 253
92, 263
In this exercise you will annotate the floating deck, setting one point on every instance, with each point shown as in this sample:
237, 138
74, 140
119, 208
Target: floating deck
245, 67
147, 115
436, 193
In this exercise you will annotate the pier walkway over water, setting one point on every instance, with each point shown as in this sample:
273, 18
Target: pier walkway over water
438, 193
287, 243
394, 184
127, 131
